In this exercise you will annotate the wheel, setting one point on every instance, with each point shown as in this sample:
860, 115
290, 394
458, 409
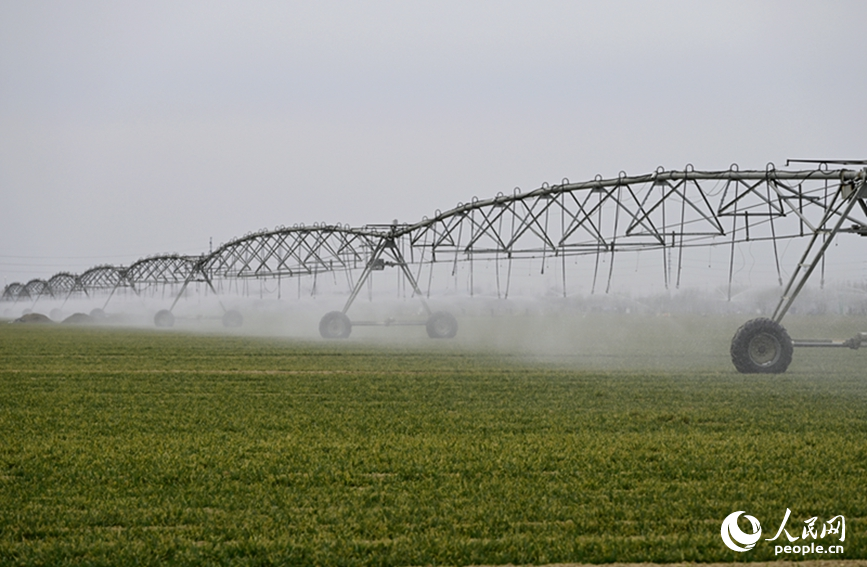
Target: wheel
232, 319
762, 346
97, 314
78, 319
33, 318
335, 325
164, 318
442, 325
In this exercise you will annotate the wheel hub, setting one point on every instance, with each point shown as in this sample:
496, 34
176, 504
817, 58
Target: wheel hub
764, 349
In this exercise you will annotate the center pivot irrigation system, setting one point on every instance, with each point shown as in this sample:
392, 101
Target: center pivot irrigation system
597, 220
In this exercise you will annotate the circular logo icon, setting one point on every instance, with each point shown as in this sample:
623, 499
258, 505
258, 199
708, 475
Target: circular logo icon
734, 537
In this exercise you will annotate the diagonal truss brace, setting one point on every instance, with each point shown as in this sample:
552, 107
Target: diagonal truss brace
198, 269
386, 246
844, 201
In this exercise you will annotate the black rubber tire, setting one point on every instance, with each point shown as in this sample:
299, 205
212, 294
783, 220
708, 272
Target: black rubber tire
164, 319
762, 346
232, 319
335, 325
442, 325
97, 314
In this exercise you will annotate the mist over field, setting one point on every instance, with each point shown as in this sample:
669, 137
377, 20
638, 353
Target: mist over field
677, 330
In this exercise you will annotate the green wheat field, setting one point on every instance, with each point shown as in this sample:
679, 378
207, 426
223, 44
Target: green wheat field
137, 447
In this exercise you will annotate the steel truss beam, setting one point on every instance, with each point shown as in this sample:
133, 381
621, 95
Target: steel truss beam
103, 277
284, 252
290, 252
663, 209
63, 283
14, 292
659, 210
37, 288
165, 269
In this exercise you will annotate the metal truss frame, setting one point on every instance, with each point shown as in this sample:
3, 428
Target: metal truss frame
160, 270
65, 284
666, 209
37, 288
663, 209
631, 212
289, 252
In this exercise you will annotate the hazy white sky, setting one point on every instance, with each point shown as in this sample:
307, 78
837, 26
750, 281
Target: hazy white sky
134, 128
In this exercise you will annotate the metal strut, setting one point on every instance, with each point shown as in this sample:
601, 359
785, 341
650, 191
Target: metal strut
849, 196
377, 263
205, 279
